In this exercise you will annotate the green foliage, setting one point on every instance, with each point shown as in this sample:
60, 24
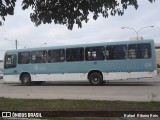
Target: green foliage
6, 8
68, 12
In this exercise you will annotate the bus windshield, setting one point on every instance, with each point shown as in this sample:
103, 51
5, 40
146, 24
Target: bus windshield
10, 61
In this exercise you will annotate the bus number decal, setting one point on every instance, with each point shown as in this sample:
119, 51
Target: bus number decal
148, 65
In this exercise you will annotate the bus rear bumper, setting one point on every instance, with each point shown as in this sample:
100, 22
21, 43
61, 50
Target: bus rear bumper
154, 73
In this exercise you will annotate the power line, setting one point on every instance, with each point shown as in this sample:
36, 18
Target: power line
16, 41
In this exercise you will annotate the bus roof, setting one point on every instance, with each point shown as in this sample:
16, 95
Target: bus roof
83, 45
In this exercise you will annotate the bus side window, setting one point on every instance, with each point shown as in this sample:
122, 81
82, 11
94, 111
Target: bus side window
110, 52
145, 53
74, 54
132, 54
139, 51
146, 50
23, 57
57, 55
107, 54
116, 52
39, 56
95, 53
44, 57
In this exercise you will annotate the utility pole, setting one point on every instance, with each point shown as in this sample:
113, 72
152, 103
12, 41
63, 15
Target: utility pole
16, 43
0, 23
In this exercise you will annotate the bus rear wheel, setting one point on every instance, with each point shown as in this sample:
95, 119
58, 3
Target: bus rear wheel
96, 79
26, 80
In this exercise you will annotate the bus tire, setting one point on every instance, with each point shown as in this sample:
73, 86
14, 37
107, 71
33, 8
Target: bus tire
96, 79
38, 82
26, 80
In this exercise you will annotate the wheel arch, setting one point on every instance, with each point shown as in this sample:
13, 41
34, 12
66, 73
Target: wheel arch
23, 73
93, 71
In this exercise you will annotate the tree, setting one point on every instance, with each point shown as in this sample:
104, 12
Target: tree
68, 12
6, 8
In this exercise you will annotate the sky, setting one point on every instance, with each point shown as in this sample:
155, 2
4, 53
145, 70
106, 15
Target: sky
19, 27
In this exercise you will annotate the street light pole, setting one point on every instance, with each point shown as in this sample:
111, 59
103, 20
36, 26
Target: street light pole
136, 31
43, 44
16, 43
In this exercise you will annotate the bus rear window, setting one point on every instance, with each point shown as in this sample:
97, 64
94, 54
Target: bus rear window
10, 61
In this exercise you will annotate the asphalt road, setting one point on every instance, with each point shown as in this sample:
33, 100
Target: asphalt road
132, 90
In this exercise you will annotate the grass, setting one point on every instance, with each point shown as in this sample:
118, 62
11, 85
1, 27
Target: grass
75, 105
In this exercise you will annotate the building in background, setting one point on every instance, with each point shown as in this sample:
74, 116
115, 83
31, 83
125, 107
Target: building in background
158, 55
1, 69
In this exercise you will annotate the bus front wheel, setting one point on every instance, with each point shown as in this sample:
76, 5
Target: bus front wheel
96, 79
26, 80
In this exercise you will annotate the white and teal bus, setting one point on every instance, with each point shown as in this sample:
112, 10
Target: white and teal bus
95, 62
